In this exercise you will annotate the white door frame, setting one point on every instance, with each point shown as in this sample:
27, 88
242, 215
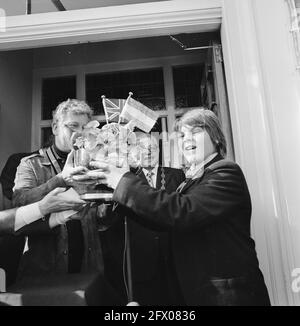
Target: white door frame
248, 99
263, 91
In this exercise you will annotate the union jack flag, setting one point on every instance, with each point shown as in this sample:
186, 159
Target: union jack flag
112, 108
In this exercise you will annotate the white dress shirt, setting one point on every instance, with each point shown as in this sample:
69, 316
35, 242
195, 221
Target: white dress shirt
195, 171
26, 215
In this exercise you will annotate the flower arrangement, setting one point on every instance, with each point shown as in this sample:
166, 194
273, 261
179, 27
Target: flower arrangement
114, 143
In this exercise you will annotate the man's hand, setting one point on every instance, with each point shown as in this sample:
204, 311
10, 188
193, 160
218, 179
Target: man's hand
69, 170
55, 202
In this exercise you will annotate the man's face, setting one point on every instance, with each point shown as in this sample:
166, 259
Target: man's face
64, 128
149, 152
195, 144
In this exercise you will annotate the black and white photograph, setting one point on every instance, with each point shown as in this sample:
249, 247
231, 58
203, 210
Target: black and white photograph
149, 155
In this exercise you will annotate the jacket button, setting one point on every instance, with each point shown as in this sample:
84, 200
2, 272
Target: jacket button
90, 249
65, 252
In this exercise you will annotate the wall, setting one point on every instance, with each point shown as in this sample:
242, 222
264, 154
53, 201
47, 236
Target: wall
15, 101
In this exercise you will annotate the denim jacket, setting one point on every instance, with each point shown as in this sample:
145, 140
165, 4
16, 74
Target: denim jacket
48, 248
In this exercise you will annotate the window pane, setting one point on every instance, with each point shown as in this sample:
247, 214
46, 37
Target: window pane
46, 136
54, 91
147, 87
187, 81
157, 126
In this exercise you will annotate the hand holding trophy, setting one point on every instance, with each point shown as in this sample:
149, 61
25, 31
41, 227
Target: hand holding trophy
99, 150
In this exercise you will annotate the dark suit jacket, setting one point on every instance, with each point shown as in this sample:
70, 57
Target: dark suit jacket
210, 225
149, 248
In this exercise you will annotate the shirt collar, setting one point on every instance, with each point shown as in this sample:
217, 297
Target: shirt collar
153, 170
195, 171
58, 153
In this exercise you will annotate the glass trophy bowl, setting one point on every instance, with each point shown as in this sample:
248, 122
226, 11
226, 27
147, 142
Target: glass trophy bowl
90, 191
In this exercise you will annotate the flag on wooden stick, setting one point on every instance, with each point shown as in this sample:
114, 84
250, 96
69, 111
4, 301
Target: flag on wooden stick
112, 108
143, 117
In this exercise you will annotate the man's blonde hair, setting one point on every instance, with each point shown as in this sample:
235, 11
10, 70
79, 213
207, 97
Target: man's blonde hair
74, 106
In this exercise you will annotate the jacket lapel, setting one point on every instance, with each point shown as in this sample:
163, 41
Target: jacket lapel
214, 160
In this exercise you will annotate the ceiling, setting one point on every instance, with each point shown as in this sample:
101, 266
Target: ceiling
19, 7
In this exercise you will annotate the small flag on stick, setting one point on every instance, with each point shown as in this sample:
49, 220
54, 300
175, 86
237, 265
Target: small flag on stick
112, 108
143, 117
